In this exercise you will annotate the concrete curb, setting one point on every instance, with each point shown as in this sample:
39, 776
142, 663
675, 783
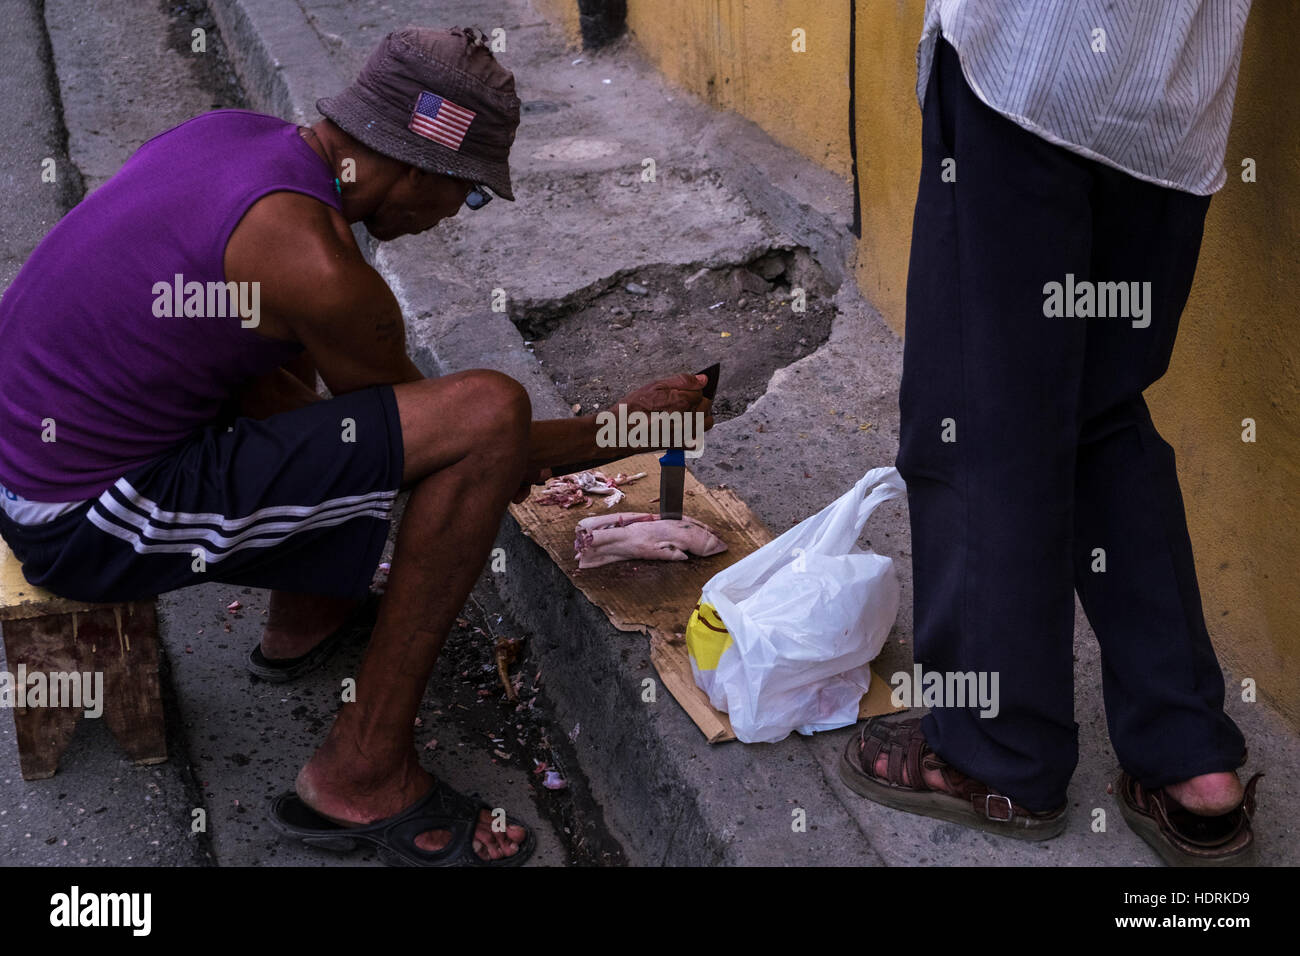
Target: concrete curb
812, 204
282, 61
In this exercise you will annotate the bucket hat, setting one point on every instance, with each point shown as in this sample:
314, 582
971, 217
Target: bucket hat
436, 99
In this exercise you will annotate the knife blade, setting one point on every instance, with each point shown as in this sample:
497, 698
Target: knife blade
711, 386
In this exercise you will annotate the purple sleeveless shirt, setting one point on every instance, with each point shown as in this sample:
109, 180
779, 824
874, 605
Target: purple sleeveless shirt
86, 359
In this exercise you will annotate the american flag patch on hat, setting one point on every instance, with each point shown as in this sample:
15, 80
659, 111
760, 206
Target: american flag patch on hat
440, 120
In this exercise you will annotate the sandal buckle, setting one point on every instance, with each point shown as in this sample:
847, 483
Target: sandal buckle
988, 812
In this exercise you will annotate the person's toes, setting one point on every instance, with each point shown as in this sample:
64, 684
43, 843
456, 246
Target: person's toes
493, 844
511, 840
496, 847
881, 766
507, 844
510, 843
487, 841
881, 770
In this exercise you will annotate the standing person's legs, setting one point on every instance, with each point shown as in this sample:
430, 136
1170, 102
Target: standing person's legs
989, 426
1162, 684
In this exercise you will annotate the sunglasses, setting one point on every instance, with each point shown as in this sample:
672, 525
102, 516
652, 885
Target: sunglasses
478, 197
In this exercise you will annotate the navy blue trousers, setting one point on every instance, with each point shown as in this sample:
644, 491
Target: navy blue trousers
1050, 454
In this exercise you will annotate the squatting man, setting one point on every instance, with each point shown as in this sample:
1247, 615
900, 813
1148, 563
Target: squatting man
141, 452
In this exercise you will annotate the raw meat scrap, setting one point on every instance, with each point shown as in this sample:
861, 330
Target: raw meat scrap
604, 539
569, 490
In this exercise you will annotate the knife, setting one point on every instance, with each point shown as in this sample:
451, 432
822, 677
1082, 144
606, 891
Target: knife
672, 483
672, 466
710, 389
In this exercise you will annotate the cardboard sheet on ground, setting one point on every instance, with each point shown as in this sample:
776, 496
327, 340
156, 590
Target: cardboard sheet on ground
657, 597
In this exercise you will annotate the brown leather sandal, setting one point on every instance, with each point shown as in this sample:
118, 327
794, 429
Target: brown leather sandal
1183, 838
903, 787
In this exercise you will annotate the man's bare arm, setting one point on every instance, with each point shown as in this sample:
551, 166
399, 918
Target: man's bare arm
317, 289
563, 441
353, 330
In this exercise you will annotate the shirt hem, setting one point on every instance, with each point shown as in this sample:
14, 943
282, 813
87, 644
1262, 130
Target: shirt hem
1030, 126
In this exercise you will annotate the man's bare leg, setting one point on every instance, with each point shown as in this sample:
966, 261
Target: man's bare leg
466, 443
296, 622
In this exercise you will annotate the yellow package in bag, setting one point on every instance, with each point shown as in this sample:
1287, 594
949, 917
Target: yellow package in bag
706, 640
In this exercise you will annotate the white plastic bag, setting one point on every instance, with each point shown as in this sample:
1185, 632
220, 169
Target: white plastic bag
783, 638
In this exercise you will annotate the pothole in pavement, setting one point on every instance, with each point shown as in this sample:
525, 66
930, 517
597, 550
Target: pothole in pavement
656, 320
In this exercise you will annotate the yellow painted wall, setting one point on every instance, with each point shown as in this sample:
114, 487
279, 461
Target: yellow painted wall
889, 149
737, 55
1238, 354
563, 14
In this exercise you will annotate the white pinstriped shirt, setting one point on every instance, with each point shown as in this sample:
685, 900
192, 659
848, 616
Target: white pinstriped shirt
1157, 103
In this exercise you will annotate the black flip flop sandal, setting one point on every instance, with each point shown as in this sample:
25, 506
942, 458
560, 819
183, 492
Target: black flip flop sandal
442, 808
280, 671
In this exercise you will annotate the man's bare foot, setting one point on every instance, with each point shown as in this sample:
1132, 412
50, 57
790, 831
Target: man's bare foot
1209, 795
298, 622
370, 800
932, 776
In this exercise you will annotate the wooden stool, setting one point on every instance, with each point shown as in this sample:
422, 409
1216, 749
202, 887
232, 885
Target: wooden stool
49, 634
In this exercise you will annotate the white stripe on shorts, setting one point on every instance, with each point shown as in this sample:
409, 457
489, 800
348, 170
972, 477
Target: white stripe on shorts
251, 531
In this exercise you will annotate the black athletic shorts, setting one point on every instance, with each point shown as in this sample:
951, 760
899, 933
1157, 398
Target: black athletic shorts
299, 501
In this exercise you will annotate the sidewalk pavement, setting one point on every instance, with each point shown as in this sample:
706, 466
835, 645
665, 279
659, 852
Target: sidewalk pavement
99, 809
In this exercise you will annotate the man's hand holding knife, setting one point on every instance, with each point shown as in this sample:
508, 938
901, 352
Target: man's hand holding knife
569, 444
